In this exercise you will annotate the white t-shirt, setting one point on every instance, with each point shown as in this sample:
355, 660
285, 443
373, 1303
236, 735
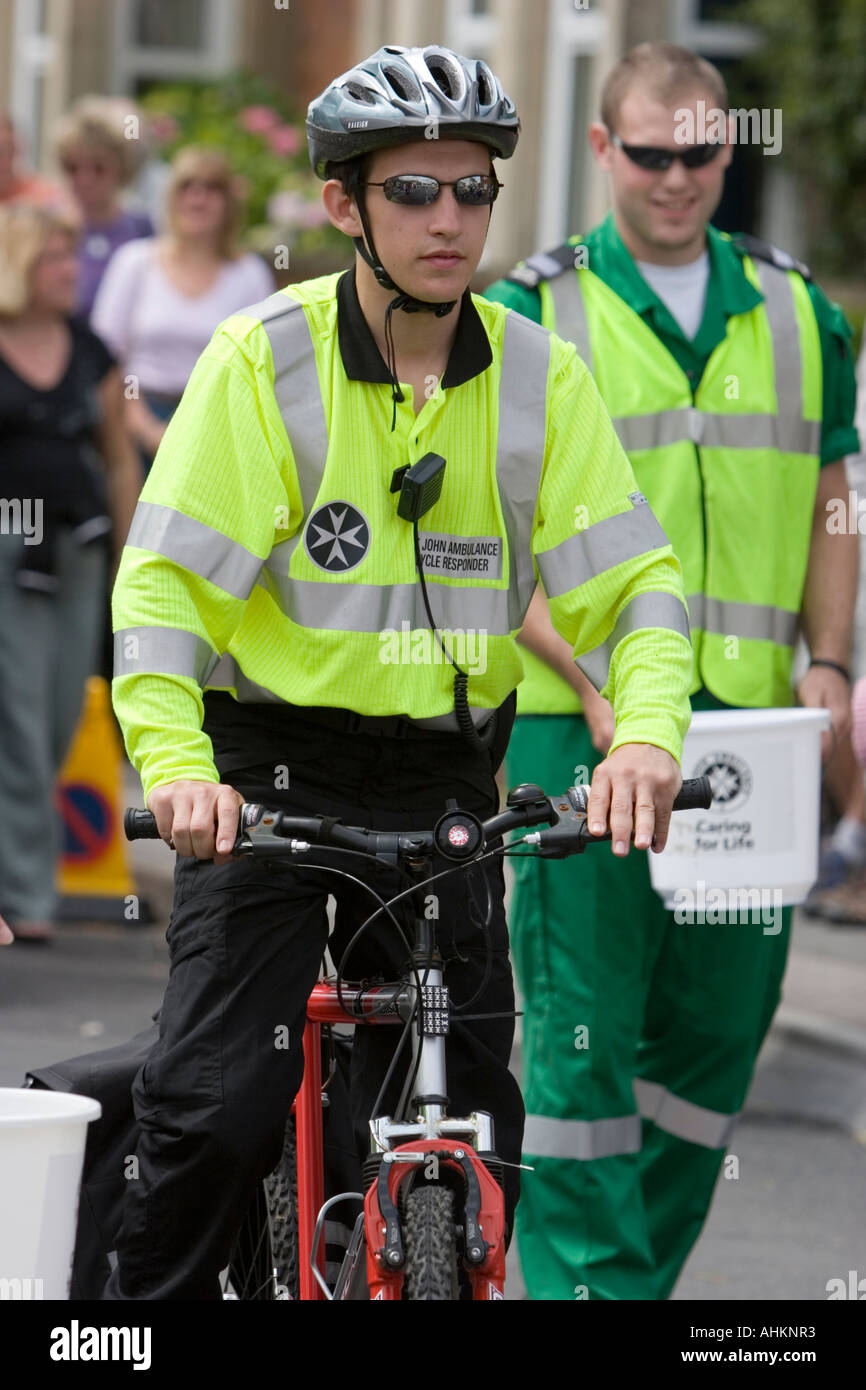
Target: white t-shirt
155, 331
683, 288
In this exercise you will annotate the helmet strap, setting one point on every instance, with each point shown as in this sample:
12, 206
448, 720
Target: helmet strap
407, 302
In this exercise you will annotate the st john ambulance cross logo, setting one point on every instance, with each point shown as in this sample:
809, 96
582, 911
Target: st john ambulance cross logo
337, 537
730, 778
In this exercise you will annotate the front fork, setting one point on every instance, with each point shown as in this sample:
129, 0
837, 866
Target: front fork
417, 1150
483, 1217
406, 1147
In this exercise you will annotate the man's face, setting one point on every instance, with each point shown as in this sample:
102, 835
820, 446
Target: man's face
661, 214
430, 251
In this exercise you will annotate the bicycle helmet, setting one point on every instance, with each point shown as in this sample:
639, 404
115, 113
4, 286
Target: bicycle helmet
392, 97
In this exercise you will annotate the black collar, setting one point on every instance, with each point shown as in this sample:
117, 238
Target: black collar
362, 360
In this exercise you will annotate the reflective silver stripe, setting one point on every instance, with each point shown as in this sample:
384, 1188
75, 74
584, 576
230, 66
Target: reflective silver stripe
710, 1128
653, 609
658, 430
600, 547
520, 455
570, 308
756, 621
447, 723
347, 607
197, 547
688, 424
227, 674
546, 265
519, 459
781, 312
164, 651
789, 433
296, 387
545, 1137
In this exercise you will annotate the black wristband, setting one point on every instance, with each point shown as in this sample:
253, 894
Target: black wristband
834, 666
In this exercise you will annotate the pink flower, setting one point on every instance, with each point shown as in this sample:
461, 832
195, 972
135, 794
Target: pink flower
313, 215
284, 139
256, 120
162, 127
285, 208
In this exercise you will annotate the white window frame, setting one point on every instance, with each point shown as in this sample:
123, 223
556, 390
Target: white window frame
218, 55
713, 38
570, 34
34, 49
470, 33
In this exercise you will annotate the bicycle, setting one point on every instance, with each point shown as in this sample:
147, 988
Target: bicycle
432, 1224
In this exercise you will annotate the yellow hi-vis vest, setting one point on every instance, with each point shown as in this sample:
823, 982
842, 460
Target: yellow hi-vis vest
731, 471
266, 556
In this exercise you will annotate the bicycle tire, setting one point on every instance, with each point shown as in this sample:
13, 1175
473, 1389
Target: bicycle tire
430, 1241
264, 1265
281, 1194
250, 1271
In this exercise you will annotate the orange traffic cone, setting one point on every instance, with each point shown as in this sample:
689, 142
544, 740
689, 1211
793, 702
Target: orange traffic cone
94, 878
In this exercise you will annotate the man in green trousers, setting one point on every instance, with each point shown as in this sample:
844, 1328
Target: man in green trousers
729, 378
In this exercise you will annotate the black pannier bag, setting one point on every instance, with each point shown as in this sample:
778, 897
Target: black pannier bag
107, 1076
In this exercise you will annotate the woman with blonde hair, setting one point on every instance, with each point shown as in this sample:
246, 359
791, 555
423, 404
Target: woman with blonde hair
162, 298
68, 485
100, 149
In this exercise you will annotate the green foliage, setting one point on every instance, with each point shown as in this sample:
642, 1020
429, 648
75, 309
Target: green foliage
249, 120
812, 64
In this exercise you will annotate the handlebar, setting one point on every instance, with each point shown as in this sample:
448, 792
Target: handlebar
458, 835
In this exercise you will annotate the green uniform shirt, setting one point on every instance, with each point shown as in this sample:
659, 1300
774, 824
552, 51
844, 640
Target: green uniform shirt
728, 292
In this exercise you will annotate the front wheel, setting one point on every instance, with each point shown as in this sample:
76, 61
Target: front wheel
431, 1245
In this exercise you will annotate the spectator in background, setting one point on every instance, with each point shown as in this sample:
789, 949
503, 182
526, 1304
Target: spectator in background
68, 479
17, 185
162, 298
100, 150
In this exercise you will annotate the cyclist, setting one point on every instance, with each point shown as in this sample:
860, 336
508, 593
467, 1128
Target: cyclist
734, 349
272, 641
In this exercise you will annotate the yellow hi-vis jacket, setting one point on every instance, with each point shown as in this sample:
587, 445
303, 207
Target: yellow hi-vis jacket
266, 556
730, 469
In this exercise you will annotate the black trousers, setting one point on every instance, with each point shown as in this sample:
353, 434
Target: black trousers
245, 943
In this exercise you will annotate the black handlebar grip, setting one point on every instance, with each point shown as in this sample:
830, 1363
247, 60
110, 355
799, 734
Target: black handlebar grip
695, 794
139, 825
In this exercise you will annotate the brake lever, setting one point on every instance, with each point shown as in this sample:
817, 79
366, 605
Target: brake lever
258, 833
569, 834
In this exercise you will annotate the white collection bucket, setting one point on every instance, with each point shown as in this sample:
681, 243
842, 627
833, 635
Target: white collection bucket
42, 1139
757, 846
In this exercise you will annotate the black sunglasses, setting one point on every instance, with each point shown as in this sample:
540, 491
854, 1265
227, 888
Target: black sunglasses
656, 158
419, 190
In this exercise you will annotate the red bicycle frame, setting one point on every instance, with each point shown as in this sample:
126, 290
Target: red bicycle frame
488, 1276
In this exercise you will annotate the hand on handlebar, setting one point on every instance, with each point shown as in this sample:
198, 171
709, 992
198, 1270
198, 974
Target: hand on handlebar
197, 818
635, 787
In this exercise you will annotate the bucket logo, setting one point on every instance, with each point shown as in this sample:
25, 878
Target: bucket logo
730, 779
337, 537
